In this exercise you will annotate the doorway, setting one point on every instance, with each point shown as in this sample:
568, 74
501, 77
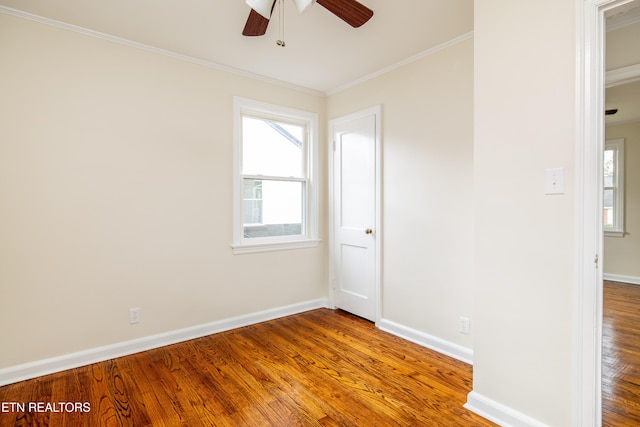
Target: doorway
355, 203
589, 204
621, 242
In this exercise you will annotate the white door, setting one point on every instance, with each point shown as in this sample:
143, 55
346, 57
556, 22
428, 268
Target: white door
355, 225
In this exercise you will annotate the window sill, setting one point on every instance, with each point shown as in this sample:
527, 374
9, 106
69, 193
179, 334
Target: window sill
614, 234
273, 246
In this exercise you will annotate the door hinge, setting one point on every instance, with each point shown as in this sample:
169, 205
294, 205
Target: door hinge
595, 261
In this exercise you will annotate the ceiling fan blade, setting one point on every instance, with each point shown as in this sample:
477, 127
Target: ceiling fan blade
256, 24
350, 11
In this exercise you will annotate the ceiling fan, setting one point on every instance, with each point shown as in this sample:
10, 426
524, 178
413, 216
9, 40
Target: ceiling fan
350, 11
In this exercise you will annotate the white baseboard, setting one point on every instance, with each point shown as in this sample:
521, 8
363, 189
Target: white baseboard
621, 278
499, 413
73, 360
456, 351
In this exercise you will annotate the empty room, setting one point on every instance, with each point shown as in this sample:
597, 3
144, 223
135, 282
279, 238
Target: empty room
331, 212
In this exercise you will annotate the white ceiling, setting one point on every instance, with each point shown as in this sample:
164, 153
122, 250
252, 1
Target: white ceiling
322, 52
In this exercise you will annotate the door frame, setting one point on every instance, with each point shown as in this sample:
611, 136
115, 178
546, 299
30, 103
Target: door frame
590, 140
377, 112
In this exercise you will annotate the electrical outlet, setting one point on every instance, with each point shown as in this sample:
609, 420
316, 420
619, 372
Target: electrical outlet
134, 315
464, 325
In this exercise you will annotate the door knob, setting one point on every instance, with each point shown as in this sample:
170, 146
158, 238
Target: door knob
368, 231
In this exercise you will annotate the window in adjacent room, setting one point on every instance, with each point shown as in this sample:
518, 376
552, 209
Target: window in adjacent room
274, 191
613, 197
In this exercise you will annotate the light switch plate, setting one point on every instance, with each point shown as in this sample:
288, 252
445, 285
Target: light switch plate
554, 181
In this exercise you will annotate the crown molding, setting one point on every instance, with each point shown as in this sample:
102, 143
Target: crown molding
156, 50
210, 64
622, 76
414, 58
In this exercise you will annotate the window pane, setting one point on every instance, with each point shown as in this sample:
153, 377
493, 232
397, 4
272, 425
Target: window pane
608, 208
252, 201
279, 211
272, 148
609, 167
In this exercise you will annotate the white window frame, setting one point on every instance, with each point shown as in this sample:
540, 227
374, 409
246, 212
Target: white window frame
617, 230
309, 238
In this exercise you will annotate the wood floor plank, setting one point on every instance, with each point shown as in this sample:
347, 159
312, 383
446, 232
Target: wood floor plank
293, 381
363, 378
151, 394
319, 368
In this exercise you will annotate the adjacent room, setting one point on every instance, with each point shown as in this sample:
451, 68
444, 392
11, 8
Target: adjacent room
307, 212
621, 200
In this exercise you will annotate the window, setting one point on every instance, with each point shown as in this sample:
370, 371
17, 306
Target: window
275, 203
613, 197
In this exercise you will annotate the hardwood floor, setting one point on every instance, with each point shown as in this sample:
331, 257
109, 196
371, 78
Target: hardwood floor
621, 355
320, 368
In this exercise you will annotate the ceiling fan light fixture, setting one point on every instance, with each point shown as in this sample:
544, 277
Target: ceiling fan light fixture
352, 12
263, 7
303, 5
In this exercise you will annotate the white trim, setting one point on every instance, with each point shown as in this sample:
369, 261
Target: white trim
622, 75
156, 50
621, 278
73, 360
588, 245
587, 409
445, 347
499, 413
402, 63
214, 65
377, 112
271, 247
309, 239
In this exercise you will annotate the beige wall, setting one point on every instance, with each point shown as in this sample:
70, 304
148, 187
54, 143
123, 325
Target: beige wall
622, 47
621, 254
524, 243
427, 121
115, 192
